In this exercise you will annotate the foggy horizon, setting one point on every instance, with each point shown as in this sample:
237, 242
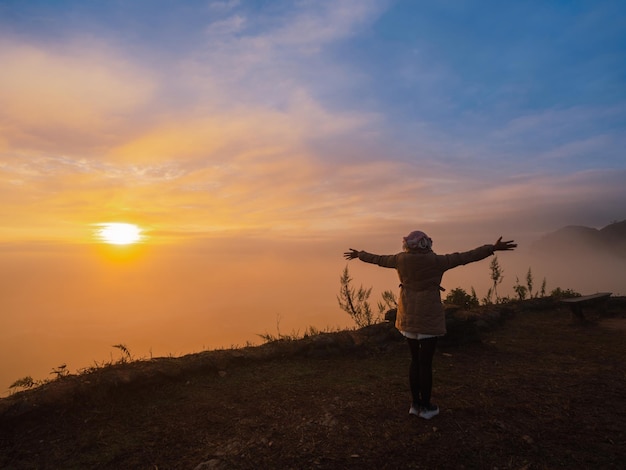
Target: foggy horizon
77, 302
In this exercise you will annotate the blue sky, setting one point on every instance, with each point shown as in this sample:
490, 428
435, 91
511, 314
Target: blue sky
324, 116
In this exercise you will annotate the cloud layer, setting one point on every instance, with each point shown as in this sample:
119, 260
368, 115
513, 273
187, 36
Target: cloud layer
316, 116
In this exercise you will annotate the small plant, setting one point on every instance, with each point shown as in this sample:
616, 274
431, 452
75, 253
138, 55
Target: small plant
314, 331
520, 290
542, 291
486, 300
497, 276
527, 290
126, 355
389, 302
293, 336
356, 302
269, 337
529, 283
60, 371
25, 382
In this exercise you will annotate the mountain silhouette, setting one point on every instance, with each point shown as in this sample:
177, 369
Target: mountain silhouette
576, 239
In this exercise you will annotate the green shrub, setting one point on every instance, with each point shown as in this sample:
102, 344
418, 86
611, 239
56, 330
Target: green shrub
559, 293
461, 298
24, 382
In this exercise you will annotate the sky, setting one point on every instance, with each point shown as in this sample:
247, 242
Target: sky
255, 141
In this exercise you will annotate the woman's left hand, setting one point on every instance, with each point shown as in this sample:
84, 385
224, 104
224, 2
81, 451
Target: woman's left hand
351, 254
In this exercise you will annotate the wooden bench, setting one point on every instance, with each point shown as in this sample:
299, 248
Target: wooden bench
594, 301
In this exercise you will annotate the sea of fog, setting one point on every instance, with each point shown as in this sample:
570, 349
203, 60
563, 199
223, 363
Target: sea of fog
70, 306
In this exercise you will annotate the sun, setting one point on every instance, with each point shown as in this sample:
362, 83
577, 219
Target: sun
116, 233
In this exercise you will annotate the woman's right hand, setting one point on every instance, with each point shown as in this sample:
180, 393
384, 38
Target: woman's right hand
504, 246
351, 254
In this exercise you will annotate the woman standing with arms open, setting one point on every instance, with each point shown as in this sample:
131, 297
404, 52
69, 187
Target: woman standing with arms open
421, 318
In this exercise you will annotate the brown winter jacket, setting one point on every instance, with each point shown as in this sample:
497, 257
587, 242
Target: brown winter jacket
419, 307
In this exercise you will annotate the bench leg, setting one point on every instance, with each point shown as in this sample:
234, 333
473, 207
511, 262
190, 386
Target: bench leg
577, 312
602, 308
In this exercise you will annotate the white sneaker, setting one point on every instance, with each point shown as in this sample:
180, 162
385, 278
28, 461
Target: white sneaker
414, 410
428, 411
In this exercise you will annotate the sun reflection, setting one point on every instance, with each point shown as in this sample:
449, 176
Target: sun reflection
117, 233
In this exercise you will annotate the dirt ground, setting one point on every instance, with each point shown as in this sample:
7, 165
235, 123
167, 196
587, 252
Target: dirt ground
538, 392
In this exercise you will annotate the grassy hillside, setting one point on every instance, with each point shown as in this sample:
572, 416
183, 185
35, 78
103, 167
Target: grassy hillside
537, 391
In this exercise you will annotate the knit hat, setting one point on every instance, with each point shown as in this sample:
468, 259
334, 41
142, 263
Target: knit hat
417, 241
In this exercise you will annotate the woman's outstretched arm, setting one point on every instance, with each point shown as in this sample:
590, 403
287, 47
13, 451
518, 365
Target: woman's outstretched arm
385, 261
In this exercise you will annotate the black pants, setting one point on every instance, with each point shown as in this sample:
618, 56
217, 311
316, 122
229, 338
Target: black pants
421, 369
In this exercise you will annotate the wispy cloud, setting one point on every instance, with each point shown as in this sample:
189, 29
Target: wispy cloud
61, 98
